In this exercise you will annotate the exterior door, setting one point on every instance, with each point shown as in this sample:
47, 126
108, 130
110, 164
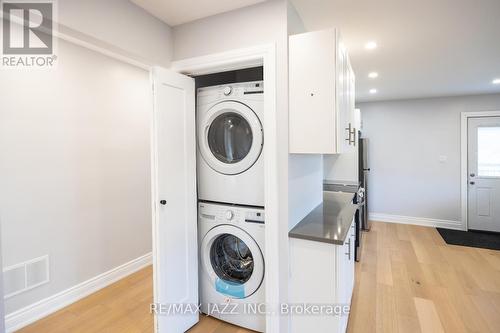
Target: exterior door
484, 173
174, 202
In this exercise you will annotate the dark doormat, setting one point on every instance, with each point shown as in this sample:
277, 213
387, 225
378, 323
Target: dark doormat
482, 239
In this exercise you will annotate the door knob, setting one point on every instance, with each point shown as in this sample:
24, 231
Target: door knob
163, 202
473, 175
472, 183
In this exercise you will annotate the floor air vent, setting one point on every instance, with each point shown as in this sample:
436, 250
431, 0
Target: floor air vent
25, 276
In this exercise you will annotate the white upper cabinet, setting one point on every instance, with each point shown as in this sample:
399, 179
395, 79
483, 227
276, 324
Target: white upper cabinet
321, 94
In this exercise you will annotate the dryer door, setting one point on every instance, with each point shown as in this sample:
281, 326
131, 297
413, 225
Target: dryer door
232, 261
230, 137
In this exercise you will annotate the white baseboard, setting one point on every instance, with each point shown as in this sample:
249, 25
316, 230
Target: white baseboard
423, 221
44, 307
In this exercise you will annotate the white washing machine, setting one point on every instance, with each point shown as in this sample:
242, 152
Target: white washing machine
232, 264
230, 161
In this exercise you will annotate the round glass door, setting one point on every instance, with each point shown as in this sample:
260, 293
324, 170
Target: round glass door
231, 259
230, 137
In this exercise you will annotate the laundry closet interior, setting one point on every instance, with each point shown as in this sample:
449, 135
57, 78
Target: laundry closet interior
230, 178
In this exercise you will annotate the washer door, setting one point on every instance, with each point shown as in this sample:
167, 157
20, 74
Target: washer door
232, 260
230, 137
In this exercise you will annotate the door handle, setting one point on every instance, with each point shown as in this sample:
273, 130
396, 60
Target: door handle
163, 202
473, 175
472, 183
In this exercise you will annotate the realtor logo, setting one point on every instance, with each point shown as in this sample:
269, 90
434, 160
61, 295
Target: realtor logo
27, 33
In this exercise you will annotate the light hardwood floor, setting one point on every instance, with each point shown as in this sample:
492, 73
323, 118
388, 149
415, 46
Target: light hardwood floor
408, 280
123, 307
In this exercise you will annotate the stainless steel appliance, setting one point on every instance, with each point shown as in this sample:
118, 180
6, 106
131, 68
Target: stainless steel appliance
363, 172
360, 188
350, 187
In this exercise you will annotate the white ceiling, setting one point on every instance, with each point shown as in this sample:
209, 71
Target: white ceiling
175, 12
425, 47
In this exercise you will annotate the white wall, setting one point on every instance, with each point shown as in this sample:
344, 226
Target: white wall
121, 24
406, 140
305, 186
254, 25
74, 168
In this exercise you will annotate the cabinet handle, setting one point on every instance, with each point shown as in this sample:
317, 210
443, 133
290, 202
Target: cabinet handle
349, 132
348, 254
354, 135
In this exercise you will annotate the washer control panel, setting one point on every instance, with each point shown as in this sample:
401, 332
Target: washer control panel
246, 90
221, 213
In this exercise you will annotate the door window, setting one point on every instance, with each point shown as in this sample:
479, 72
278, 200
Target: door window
231, 259
230, 137
488, 151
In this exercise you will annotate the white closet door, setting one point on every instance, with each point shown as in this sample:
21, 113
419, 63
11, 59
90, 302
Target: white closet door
174, 200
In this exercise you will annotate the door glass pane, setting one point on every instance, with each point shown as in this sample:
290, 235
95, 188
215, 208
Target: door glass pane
488, 151
231, 259
230, 137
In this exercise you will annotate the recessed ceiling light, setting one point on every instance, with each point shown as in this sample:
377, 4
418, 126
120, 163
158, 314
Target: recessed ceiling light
373, 91
371, 45
373, 75
496, 81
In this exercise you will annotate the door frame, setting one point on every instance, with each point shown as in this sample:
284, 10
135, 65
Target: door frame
260, 55
464, 119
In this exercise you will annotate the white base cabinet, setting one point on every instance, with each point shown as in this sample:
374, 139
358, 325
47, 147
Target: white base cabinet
321, 275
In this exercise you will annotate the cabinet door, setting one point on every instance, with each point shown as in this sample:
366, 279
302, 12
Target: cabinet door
342, 120
342, 278
351, 263
312, 98
351, 107
345, 273
347, 106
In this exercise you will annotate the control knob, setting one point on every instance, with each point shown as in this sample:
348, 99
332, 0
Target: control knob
229, 215
228, 90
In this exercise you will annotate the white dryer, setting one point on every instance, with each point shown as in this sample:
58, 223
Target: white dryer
230, 161
232, 266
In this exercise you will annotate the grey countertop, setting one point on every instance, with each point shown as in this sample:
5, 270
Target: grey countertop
329, 222
341, 182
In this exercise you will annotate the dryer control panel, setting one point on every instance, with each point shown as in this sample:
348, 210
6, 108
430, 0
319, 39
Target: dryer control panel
240, 91
221, 213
